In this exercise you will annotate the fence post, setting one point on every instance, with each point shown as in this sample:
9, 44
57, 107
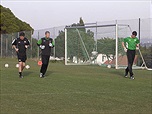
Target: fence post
38, 48
96, 47
31, 45
1, 45
139, 29
54, 41
6, 46
12, 48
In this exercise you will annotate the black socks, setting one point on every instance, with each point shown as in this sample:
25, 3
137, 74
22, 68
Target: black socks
20, 73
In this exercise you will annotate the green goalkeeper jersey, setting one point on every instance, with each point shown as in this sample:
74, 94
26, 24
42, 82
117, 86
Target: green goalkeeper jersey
131, 43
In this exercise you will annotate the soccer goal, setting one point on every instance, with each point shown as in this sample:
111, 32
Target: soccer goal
97, 44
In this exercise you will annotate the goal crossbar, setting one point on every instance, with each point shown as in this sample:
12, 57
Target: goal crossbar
93, 26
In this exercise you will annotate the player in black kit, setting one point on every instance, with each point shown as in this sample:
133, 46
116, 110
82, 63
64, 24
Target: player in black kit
45, 45
20, 45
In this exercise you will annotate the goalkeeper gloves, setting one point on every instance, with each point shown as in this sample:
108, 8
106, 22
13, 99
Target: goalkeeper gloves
50, 44
26, 46
42, 46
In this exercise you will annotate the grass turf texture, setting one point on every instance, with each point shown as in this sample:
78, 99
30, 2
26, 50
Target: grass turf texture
74, 89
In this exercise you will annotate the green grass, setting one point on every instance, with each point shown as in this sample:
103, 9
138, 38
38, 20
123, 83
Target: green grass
74, 89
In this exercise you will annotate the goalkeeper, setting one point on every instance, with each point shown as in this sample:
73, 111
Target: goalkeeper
130, 44
45, 45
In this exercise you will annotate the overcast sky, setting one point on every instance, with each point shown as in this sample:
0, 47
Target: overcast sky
42, 14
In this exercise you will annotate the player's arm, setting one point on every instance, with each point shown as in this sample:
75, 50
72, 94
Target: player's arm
16, 49
123, 45
53, 44
137, 45
39, 43
27, 44
14, 44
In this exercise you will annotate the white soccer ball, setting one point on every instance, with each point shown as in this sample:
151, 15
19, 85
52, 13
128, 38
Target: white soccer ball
17, 65
6, 65
27, 66
94, 53
109, 66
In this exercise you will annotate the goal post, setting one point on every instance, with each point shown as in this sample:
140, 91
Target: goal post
116, 56
97, 44
66, 46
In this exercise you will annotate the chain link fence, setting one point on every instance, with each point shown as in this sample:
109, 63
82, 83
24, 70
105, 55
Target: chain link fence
142, 26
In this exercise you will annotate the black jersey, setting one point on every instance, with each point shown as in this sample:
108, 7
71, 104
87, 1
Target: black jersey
46, 41
20, 44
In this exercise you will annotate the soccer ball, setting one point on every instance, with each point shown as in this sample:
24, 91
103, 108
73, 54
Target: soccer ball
109, 66
27, 66
17, 65
94, 53
6, 65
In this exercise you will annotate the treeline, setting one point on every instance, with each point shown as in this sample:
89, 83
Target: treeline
9, 23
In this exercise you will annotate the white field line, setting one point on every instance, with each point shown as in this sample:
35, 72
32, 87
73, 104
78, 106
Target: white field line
64, 93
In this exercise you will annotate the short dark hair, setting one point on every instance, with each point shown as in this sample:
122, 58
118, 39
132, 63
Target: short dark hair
22, 34
134, 33
47, 32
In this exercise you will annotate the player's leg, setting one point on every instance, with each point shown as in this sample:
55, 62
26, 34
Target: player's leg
131, 63
23, 66
126, 72
20, 65
23, 62
20, 69
129, 57
46, 65
43, 67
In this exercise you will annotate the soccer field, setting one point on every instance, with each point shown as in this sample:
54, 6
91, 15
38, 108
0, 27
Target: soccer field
74, 89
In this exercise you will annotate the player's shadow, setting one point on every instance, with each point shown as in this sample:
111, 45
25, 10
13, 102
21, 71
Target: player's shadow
49, 73
117, 72
27, 73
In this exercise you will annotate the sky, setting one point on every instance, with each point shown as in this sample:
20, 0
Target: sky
42, 14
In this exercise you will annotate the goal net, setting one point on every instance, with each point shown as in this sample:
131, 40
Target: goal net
99, 44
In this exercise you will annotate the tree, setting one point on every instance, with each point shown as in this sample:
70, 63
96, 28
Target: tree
106, 46
10, 24
81, 23
60, 45
75, 45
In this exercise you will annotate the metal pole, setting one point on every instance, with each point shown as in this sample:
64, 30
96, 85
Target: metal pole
139, 36
139, 29
54, 49
18, 34
31, 45
54, 41
12, 48
6, 47
116, 45
65, 46
38, 48
96, 39
1, 45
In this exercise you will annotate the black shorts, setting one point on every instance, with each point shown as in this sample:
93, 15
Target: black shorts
21, 58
